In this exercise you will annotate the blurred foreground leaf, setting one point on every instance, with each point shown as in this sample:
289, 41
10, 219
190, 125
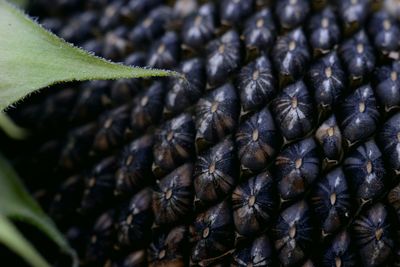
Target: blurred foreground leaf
17, 204
11, 129
32, 58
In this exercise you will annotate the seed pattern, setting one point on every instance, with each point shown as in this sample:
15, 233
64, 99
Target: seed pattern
324, 30
358, 56
259, 253
206, 171
293, 234
327, 81
294, 111
223, 57
172, 200
340, 251
358, 115
387, 90
215, 173
135, 166
296, 168
373, 235
253, 203
259, 135
213, 233
331, 201
168, 249
134, 222
260, 31
147, 108
216, 115
291, 55
365, 168
174, 143
257, 84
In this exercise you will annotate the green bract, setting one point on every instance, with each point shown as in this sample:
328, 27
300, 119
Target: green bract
32, 58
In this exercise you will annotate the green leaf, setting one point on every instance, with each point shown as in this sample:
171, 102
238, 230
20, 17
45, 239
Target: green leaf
12, 129
12, 238
32, 58
17, 204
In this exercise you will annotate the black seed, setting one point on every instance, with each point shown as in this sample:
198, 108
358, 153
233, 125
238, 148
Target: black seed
256, 84
151, 27
389, 140
260, 32
324, 31
292, 13
99, 186
216, 115
169, 248
394, 199
78, 238
45, 160
199, 28
101, 239
213, 233
358, 115
134, 171
373, 234
340, 252
112, 129
147, 107
253, 203
233, 12
66, 200
309, 263
183, 8
294, 111
366, 171
258, 253
75, 151
93, 99
297, 166
173, 196
94, 46
122, 91
330, 138
257, 141
223, 57
385, 31
293, 234
139, 7
183, 93
359, 57
353, 14
291, 56
56, 109
327, 81
110, 16
164, 53
80, 27
52, 24
136, 59
215, 172
331, 201
387, 89
174, 144
135, 220
135, 259
115, 44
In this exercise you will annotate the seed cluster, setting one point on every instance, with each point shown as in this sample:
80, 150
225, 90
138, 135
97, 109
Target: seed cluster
280, 148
